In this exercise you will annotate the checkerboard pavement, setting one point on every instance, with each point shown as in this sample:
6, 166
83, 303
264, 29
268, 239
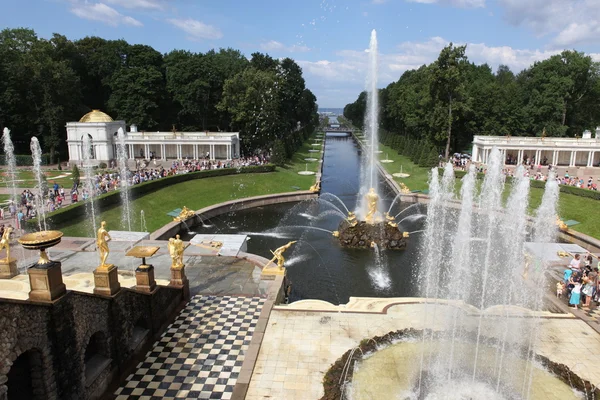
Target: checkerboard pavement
200, 355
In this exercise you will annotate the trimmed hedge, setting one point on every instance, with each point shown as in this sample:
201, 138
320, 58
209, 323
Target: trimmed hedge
78, 210
25, 159
590, 194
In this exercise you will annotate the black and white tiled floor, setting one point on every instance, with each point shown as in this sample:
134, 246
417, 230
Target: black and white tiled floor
200, 355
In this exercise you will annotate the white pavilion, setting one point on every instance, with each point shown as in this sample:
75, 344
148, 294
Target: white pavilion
101, 130
557, 151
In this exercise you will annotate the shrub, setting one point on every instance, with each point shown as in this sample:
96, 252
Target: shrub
59, 166
102, 165
76, 175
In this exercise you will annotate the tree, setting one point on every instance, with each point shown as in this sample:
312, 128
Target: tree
448, 89
76, 175
278, 155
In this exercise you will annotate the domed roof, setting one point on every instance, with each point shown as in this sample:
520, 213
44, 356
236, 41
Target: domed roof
96, 116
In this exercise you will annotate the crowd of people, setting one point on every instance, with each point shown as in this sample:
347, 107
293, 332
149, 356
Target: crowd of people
580, 282
562, 180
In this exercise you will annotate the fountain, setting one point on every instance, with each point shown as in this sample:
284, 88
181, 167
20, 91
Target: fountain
11, 164
124, 178
42, 185
306, 171
387, 160
89, 180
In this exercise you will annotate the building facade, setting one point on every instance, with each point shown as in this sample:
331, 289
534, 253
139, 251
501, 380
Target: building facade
557, 151
101, 132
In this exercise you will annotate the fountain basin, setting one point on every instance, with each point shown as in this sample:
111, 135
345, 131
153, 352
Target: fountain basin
386, 161
306, 172
314, 151
393, 361
400, 175
361, 236
310, 159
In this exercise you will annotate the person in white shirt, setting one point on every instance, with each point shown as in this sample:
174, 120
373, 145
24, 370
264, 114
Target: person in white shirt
575, 263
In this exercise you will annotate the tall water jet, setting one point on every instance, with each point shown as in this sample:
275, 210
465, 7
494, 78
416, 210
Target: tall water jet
545, 228
370, 172
42, 185
11, 164
89, 179
124, 178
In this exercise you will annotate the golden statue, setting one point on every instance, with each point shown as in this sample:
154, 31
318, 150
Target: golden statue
372, 199
336, 233
176, 251
561, 225
405, 234
561, 253
102, 243
278, 255
404, 189
5, 241
351, 219
184, 214
316, 187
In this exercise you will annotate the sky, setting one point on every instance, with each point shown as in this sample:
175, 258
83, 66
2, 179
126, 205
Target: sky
329, 38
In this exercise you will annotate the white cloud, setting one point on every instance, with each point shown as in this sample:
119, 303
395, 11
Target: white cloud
196, 30
350, 67
139, 4
454, 3
103, 13
571, 22
275, 46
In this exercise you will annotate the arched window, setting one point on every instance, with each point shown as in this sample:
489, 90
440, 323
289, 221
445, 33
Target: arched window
97, 356
25, 378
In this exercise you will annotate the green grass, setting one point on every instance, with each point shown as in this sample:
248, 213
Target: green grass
25, 178
201, 193
418, 175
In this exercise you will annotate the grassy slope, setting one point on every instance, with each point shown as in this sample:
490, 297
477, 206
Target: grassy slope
584, 210
204, 192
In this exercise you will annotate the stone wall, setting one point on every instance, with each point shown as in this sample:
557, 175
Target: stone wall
59, 334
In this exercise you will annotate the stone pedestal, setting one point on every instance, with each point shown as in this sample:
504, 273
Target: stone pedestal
106, 280
178, 277
8, 268
271, 271
144, 278
46, 281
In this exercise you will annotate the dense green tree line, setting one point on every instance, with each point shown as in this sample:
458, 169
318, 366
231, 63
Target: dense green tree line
45, 83
449, 101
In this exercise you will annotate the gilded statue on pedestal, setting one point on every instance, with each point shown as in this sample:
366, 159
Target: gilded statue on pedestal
351, 219
278, 255
102, 243
561, 225
5, 241
372, 199
176, 251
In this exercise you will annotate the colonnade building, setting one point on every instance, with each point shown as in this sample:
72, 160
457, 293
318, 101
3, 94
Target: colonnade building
101, 131
556, 151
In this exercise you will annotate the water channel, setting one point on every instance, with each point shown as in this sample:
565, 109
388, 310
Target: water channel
317, 266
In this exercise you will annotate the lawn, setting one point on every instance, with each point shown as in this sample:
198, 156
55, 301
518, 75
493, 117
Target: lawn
201, 193
25, 179
582, 209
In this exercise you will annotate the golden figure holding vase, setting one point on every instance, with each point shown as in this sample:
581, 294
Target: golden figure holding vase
102, 244
372, 199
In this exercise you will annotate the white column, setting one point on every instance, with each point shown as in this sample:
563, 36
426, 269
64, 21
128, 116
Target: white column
573, 157
590, 158
554, 155
538, 155
146, 151
228, 152
195, 147
179, 152
475, 153
212, 151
